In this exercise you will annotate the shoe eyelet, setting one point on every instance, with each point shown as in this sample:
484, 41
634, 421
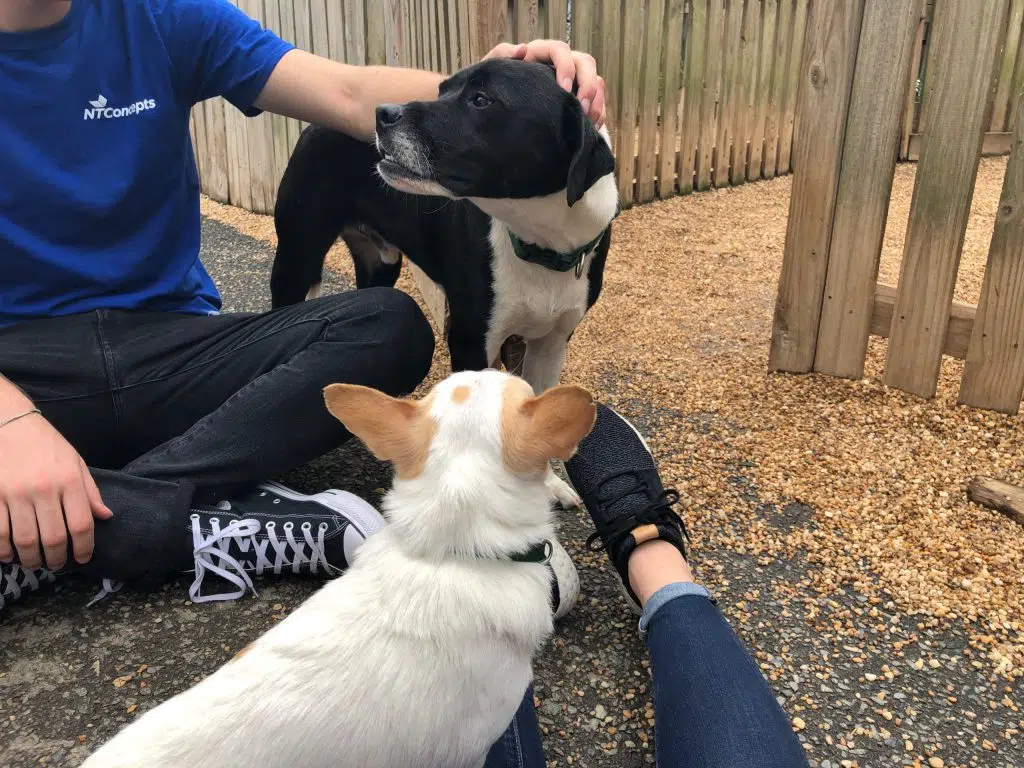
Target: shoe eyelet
270, 525
263, 493
194, 518
322, 526
307, 526
289, 525
215, 520
277, 501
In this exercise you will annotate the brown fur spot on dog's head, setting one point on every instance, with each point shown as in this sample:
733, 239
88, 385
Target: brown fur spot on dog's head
460, 394
536, 429
394, 429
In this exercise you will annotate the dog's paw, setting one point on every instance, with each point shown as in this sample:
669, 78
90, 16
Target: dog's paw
562, 492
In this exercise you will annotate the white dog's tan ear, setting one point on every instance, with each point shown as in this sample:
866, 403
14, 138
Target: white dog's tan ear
395, 430
549, 426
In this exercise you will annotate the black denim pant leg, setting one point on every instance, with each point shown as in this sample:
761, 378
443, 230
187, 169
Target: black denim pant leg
224, 402
60, 364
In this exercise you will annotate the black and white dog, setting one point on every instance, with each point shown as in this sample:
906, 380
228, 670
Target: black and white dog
501, 191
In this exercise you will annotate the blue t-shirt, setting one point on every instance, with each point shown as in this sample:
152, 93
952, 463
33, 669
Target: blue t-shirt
99, 193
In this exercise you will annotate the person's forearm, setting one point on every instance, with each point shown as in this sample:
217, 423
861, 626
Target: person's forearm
341, 96
12, 399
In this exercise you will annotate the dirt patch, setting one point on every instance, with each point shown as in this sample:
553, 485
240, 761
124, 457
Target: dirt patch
685, 319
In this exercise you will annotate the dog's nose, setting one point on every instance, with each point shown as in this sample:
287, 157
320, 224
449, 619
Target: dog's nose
388, 115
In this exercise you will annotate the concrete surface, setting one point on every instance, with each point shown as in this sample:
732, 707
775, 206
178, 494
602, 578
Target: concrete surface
880, 692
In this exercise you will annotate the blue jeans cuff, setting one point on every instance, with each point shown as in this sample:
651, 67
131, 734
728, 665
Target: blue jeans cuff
666, 594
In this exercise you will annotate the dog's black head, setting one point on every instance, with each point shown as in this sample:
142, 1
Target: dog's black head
499, 129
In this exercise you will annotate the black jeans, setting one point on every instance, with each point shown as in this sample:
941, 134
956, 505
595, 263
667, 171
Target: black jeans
166, 408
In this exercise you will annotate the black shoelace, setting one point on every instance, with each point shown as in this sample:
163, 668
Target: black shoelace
659, 510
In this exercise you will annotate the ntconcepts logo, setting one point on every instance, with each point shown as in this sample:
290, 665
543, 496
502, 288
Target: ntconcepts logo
98, 109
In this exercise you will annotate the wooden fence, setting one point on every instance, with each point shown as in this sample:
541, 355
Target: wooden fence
852, 108
702, 93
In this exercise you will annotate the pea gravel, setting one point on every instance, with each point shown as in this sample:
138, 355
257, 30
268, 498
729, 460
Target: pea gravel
829, 517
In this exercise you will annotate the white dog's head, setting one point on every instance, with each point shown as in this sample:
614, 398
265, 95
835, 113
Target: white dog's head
470, 458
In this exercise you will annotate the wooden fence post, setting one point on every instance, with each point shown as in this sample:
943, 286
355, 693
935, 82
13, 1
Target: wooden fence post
865, 185
488, 25
994, 373
829, 59
964, 43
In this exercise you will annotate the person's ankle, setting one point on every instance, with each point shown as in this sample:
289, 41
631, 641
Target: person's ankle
655, 564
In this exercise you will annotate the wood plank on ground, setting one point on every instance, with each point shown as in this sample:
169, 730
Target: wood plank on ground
993, 375
764, 87
672, 64
827, 66
710, 104
784, 164
865, 185
998, 495
964, 42
647, 167
632, 40
693, 94
958, 334
731, 89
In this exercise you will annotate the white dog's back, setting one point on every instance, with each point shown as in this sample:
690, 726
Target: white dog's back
398, 664
419, 655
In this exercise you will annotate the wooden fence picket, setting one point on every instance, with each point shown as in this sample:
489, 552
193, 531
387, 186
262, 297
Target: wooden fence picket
965, 43
699, 93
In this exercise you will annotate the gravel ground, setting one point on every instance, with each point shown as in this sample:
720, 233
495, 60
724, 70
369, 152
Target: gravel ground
828, 517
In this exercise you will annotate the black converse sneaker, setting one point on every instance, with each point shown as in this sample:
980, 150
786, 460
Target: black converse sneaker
274, 529
614, 471
15, 581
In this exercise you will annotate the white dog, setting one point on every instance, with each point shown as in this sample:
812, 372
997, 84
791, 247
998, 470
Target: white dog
419, 655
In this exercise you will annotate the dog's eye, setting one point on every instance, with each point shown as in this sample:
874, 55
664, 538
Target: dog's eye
479, 100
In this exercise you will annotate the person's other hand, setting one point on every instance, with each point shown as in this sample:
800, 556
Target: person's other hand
569, 66
46, 493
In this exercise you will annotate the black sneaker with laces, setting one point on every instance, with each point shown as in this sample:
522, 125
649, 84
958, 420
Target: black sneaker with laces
16, 581
274, 529
614, 471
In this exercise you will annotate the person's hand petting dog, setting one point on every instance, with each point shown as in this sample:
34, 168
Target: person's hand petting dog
570, 66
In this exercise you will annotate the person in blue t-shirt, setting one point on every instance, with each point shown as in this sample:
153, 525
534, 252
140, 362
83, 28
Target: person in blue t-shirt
139, 426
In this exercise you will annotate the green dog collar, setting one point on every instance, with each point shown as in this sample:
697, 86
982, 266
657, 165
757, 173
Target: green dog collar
538, 553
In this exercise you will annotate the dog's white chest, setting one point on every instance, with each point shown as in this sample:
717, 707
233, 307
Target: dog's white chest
529, 300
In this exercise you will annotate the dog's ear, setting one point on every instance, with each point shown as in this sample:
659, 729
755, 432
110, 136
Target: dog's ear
548, 426
395, 430
591, 156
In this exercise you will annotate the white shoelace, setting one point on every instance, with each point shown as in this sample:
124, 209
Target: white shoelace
14, 580
212, 554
